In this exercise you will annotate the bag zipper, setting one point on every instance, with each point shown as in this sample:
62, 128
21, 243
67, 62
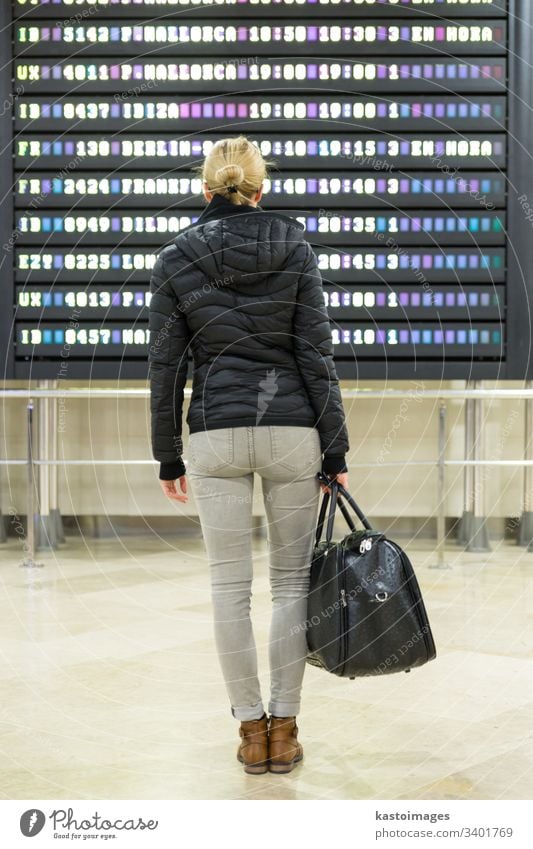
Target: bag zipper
344, 609
344, 605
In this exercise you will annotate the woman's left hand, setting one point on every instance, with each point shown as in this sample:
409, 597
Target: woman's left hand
171, 491
341, 477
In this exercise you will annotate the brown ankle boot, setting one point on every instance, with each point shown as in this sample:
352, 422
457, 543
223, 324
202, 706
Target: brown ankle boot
253, 751
283, 747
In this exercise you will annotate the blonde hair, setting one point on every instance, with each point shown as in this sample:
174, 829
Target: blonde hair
234, 168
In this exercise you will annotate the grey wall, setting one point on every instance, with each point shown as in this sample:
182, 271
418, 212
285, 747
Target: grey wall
398, 431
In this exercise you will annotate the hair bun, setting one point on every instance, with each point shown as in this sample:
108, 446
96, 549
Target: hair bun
229, 175
234, 169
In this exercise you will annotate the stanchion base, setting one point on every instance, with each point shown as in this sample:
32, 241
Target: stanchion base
3, 531
525, 531
30, 564
56, 517
464, 527
46, 533
479, 535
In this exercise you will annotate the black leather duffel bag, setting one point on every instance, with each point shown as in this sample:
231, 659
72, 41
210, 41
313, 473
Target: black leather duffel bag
365, 613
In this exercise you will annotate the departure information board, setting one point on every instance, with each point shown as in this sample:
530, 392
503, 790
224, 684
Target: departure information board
389, 121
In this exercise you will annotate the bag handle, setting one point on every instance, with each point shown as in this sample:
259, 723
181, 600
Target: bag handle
337, 490
331, 514
321, 517
355, 507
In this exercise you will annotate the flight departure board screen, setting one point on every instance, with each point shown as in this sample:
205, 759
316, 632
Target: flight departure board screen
389, 124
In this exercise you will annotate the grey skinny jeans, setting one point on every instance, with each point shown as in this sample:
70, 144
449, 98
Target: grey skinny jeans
221, 473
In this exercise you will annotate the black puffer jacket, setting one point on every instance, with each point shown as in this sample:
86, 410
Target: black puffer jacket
241, 291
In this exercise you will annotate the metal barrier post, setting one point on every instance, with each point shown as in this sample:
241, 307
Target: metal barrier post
46, 537
465, 522
3, 525
29, 560
479, 537
525, 533
441, 494
55, 515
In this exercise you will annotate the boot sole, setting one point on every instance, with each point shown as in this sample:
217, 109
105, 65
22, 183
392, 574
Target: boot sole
254, 769
285, 767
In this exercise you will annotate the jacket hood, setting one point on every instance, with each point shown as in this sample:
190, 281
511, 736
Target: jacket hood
229, 239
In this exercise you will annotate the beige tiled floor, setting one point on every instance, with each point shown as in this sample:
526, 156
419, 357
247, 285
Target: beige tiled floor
111, 687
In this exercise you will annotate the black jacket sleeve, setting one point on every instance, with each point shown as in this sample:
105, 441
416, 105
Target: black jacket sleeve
313, 347
167, 357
